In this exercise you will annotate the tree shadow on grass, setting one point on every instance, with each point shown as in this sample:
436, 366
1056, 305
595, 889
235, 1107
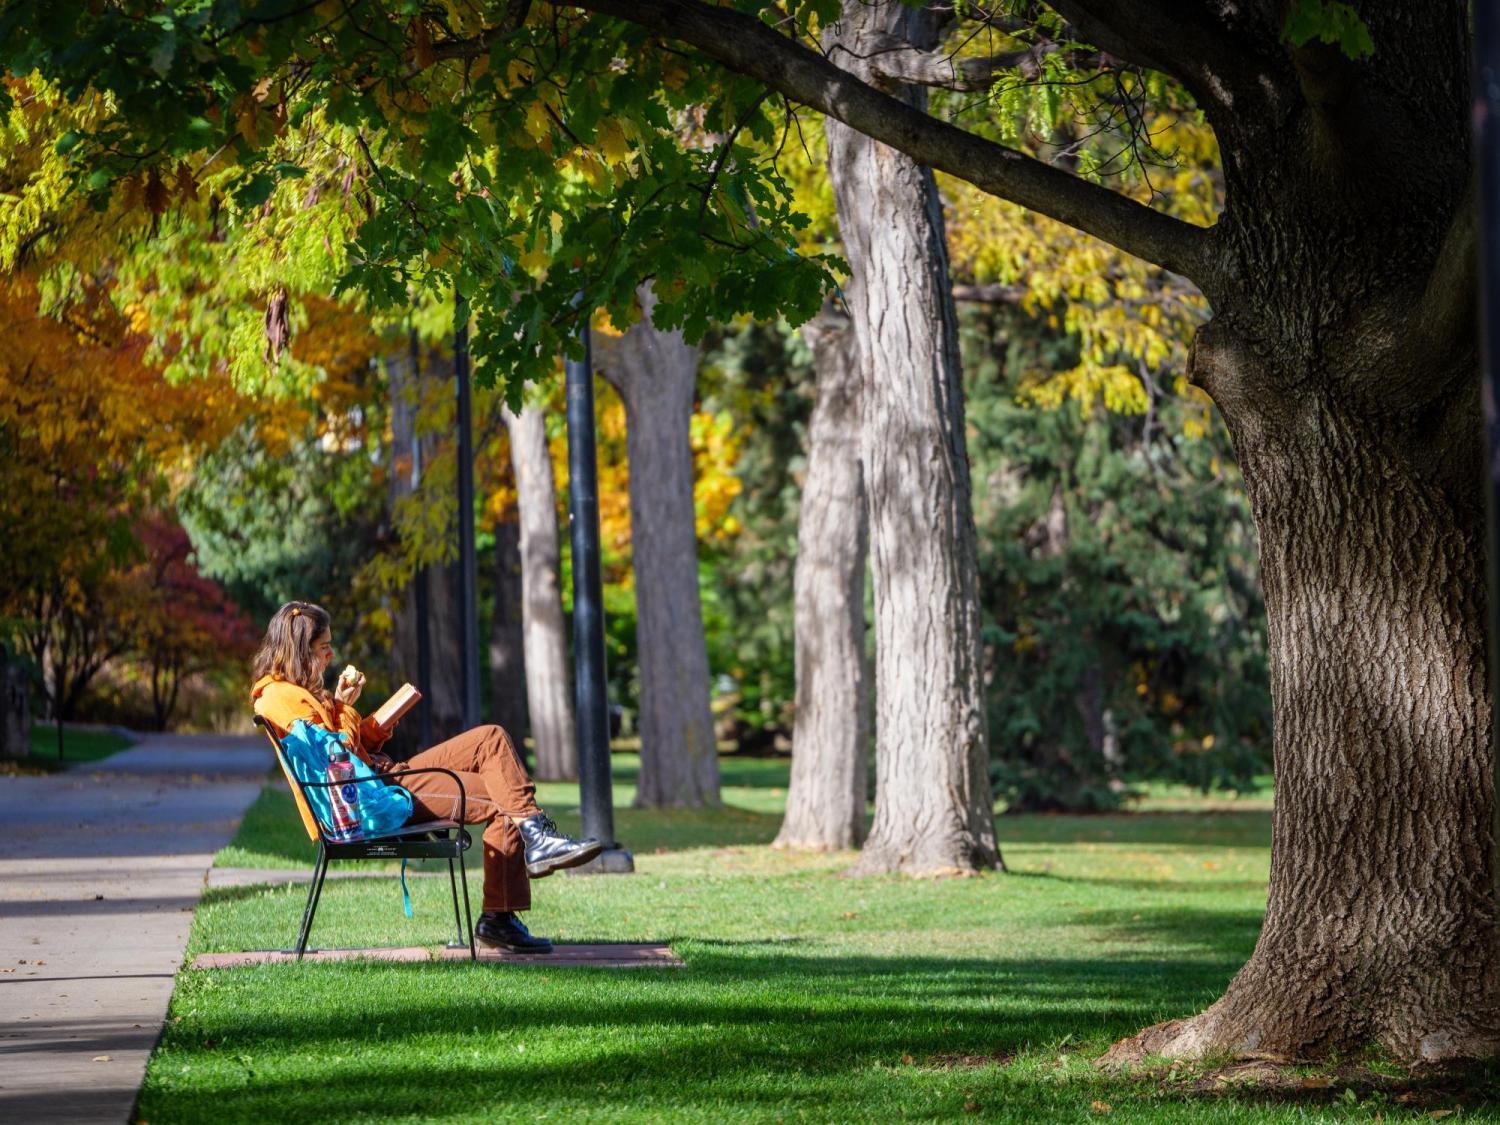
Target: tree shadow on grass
745, 1033
1250, 828
1149, 884
749, 1027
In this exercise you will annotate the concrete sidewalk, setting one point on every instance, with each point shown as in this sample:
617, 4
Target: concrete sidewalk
100, 871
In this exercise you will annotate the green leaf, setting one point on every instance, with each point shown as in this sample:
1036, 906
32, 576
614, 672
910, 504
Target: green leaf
199, 131
256, 190
1328, 21
69, 141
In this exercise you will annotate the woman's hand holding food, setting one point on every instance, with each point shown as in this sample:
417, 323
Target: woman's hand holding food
351, 683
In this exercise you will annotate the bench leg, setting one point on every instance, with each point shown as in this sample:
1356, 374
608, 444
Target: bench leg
463, 875
314, 892
458, 921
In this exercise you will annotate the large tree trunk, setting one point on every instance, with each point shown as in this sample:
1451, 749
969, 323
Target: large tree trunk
1380, 924
548, 681
1343, 357
825, 802
508, 634
656, 375
933, 809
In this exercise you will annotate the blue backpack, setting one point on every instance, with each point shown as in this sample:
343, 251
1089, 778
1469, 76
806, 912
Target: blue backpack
383, 806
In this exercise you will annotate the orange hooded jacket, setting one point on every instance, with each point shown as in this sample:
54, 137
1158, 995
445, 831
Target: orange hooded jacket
281, 703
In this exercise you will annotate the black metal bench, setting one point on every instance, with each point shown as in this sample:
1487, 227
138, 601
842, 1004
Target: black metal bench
433, 839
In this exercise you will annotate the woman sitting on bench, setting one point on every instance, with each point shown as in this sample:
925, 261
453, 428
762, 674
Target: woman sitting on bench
520, 841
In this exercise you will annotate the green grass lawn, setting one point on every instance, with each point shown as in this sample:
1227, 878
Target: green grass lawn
807, 995
78, 746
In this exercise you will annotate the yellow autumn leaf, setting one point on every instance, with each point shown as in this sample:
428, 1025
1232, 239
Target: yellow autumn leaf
612, 144
538, 121
535, 260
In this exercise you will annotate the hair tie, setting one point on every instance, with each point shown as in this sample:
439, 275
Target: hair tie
296, 610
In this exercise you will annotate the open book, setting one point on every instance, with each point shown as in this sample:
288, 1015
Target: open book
404, 699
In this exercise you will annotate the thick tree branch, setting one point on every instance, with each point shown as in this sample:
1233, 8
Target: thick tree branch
990, 293
516, 12
898, 61
1450, 303
1443, 332
747, 46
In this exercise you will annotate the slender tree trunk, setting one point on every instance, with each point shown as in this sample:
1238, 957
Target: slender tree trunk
159, 696
402, 391
445, 701
508, 634
445, 620
15, 709
825, 802
548, 681
933, 808
656, 374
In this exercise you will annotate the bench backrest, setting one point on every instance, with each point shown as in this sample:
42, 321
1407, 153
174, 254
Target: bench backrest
309, 821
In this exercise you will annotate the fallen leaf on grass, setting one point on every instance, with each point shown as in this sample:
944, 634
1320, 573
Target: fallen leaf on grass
1102, 1107
1316, 1082
1440, 1112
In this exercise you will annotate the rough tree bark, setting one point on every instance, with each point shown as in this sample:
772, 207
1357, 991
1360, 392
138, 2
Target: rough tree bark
656, 375
829, 789
548, 681
933, 808
1343, 356
1345, 364
508, 634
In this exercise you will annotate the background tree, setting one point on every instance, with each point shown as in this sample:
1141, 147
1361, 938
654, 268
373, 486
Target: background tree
655, 374
932, 795
507, 632
548, 682
184, 624
1124, 626
829, 786
89, 429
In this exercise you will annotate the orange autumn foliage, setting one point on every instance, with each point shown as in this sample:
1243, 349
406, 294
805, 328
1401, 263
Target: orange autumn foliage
81, 415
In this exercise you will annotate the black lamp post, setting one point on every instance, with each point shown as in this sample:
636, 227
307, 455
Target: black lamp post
468, 600
420, 590
595, 789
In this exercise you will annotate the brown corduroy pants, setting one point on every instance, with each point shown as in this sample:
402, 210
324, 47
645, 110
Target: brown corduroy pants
496, 788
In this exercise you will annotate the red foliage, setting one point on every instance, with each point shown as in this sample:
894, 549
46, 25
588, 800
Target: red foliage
181, 623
